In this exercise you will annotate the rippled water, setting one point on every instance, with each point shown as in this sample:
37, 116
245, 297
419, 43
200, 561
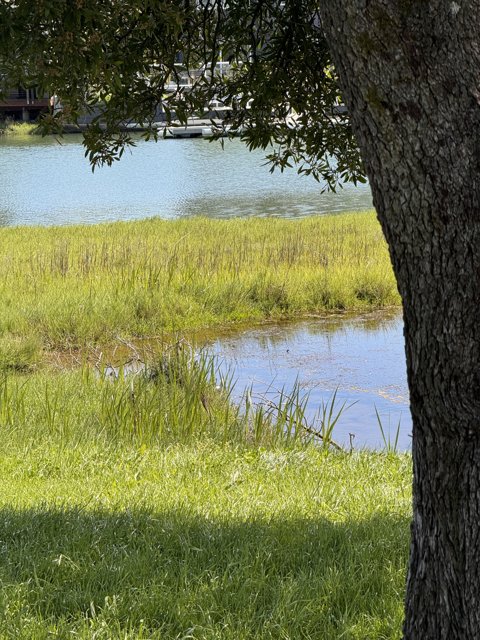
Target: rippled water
362, 357
44, 181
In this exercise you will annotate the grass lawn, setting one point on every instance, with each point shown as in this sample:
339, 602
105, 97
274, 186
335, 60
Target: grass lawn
201, 541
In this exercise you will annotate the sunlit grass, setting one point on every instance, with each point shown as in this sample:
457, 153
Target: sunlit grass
14, 128
204, 541
178, 397
70, 286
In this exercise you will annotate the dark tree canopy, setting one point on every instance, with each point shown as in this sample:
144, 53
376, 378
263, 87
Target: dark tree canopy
122, 56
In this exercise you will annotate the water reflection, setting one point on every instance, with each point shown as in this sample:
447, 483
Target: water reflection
47, 182
362, 357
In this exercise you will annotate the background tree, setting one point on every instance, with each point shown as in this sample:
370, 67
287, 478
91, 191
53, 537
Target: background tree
410, 75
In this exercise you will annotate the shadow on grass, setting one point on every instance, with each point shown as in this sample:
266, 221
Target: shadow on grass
175, 574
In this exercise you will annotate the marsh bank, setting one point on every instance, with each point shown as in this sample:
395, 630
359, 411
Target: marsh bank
47, 182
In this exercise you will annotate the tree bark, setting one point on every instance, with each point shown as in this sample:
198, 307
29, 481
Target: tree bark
410, 75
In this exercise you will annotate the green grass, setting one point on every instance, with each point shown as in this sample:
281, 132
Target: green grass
13, 128
201, 541
146, 506
179, 397
72, 286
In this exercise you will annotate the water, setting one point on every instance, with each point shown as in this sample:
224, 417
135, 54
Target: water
362, 357
45, 182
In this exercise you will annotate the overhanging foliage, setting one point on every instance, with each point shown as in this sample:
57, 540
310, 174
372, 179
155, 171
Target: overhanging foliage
126, 58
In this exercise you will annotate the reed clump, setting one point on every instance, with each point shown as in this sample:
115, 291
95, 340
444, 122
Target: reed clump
13, 128
180, 395
72, 286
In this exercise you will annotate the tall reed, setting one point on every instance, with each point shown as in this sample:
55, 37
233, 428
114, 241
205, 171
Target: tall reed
179, 397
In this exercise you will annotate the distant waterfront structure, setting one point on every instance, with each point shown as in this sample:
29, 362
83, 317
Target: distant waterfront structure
27, 104
23, 104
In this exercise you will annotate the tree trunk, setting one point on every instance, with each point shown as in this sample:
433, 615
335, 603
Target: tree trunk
410, 73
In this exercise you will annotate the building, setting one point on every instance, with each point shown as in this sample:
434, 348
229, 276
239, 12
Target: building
23, 104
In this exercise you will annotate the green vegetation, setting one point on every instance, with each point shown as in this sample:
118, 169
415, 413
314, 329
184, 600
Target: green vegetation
177, 399
202, 542
73, 286
13, 128
138, 502
106, 535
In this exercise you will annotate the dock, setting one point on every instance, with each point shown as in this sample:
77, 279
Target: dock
195, 128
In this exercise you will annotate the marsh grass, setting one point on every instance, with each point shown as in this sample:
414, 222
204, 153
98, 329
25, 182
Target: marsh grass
19, 353
285, 413
73, 286
327, 417
390, 442
14, 128
178, 397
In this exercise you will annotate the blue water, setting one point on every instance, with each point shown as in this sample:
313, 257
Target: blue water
361, 358
45, 181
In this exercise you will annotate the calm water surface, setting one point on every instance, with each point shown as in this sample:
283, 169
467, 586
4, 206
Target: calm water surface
362, 357
45, 182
